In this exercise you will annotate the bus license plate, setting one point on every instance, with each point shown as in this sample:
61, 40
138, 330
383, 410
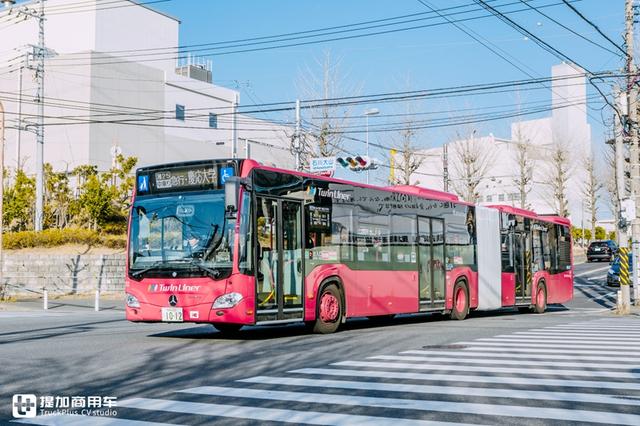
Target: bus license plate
172, 315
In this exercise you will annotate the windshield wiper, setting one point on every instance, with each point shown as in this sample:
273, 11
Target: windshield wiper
213, 272
157, 265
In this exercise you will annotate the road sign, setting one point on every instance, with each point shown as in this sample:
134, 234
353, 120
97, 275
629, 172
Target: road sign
322, 164
225, 173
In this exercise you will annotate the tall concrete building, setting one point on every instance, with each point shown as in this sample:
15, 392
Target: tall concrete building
111, 86
566, 126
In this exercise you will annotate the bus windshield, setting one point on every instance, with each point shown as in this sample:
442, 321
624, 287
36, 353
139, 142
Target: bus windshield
184, 234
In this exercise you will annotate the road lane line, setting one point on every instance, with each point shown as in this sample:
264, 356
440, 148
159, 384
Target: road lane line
563, 335
499, 347
436, 360
507, 354
70, 420
583, 274
458, 378
269, 414
485, 369
497, 410
540, 343
545, 343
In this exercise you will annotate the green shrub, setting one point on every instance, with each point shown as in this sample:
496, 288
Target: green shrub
58, 237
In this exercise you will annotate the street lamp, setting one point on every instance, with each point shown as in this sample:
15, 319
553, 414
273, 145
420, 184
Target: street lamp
367, 113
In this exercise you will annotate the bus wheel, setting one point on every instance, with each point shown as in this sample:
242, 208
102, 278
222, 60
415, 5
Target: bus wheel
227, 329
329, 311
541, 299
460, 301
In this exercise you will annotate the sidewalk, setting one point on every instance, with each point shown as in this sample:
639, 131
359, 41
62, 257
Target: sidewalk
71, 303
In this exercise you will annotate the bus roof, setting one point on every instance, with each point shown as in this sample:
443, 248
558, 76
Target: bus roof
531, 214
406, 189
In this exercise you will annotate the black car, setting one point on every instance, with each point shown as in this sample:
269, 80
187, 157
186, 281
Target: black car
602, 250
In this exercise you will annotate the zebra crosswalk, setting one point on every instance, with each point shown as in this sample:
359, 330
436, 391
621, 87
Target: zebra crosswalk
572, 373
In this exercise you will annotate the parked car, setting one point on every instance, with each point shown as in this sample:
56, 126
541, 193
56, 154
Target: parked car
613, 275
602, 250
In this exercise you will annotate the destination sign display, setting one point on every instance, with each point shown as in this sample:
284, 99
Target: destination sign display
186, 178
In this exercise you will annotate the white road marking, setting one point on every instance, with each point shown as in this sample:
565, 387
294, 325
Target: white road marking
577, 335
459, 378
70, 420
508, 354
542, 343
444, 390
424, 405
592, 271
499, 347
485, 369
542, 363
268, 414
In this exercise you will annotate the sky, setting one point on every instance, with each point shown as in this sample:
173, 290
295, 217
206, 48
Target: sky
421, 58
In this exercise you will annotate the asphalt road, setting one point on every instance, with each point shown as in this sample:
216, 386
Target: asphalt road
575, 364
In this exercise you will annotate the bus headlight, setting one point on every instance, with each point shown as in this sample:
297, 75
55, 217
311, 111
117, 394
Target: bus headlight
132, 301
228, 300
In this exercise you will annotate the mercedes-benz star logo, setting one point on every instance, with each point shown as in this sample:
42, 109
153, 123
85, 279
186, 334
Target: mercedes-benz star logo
173, 300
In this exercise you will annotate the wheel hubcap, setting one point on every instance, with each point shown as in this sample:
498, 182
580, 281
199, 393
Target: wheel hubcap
329, 308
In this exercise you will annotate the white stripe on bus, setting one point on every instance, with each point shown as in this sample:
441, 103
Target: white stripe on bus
458, 359
424, 405
459, 378
445, 390
484, 369
269, 414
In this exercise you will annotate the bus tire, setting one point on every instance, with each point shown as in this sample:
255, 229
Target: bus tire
227, 329
460, 307
541, 299
329, 310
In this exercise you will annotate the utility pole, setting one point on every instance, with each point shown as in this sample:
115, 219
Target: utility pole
632, 114
297, 146
445, 167
1, 186
621, 231
234, 127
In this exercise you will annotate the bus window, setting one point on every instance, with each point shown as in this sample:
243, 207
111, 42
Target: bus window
373, 238
403, 238
245, 260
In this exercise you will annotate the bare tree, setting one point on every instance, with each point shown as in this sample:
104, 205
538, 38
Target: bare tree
409, 158
471, 163
558, 175
591, 190
324, 135
611, 185
525, 164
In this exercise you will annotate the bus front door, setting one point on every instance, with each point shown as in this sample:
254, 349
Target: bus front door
522, 265
280, 269
431, 263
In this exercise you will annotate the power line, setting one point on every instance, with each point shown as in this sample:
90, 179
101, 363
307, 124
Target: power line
594, 26
264, 48
560, 24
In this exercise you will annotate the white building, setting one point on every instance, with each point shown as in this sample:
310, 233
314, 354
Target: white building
102, 68
567, 125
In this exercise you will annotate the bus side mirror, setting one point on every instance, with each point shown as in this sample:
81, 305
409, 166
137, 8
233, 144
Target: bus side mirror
231, 191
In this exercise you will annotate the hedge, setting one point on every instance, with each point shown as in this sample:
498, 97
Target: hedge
58, 237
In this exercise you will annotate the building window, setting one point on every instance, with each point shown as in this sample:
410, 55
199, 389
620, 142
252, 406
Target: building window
213, 120
489, 198
180, 112
500, 197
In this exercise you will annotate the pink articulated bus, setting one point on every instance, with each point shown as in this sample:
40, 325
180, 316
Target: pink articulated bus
233, 243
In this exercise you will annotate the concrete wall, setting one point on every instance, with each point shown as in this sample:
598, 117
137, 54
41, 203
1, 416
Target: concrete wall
23, 274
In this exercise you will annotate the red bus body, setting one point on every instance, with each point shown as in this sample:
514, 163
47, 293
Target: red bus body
490, 283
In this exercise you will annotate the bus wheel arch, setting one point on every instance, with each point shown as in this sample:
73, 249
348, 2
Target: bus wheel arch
460, 307
540, 301
330, 306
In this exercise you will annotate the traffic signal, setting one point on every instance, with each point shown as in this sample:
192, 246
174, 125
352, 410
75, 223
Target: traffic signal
357, 163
